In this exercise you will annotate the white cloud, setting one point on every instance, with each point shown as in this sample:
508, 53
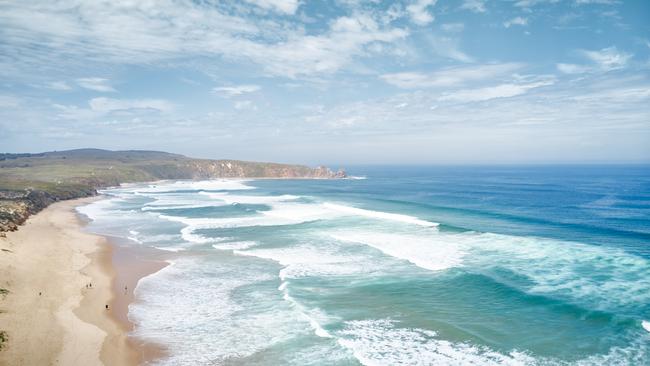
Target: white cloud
245, 105
116, 32
8, 101
348, 37
602, 2
492, 92
448, 47
573, 68
419, 13
96, 84
608, 58
604, 60
282, 6
531, 3
539, 123
477, 6
106, 105
101, 107
450, 76
234, 91
515, 21
453, 27
58, 85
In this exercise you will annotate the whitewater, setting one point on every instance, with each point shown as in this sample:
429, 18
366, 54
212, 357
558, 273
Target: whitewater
428, 266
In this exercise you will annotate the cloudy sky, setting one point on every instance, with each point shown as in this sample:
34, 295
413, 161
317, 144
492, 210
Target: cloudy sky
342, 81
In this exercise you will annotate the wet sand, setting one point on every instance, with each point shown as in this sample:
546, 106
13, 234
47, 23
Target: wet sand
128, 265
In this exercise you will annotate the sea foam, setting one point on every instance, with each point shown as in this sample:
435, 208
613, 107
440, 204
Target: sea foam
600, 278
235, 245
310, 260
423, 251
230, 198
646, 325
211, 323
379, 215
189, 185
381, 342
595, 277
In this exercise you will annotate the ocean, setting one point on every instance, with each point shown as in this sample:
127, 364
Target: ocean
500, 265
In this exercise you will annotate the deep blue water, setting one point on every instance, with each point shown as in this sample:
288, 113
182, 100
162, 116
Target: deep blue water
543, 265
603, 205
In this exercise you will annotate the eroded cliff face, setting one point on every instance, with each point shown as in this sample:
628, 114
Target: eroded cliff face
17, 206
239, 169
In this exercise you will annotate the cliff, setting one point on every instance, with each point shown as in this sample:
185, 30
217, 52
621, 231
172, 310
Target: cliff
31, 182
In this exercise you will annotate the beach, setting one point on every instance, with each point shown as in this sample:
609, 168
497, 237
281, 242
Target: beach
60, 280
340, 272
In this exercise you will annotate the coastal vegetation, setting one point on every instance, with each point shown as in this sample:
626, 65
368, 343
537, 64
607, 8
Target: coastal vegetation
3, 338
31, 182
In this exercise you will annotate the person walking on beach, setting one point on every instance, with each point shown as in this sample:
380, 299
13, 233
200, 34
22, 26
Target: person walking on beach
106, 306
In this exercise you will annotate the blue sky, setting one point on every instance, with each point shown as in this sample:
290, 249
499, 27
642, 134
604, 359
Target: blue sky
347, 82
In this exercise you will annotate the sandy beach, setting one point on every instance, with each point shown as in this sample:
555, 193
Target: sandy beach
51, 314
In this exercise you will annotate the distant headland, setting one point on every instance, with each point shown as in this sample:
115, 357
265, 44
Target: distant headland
31, 182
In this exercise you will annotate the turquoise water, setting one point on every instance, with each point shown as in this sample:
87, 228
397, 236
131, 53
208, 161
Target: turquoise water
410, 266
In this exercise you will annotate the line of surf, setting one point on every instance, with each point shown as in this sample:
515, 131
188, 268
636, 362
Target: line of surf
379, 214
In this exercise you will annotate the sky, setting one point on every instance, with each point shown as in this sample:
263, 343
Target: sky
331, 82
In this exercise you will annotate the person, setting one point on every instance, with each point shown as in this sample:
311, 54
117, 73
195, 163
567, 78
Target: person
39, 294
106, 306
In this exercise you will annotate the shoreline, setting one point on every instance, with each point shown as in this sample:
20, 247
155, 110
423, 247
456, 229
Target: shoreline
50, 314
128, 265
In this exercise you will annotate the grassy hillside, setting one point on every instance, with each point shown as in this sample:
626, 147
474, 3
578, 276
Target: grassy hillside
30, 182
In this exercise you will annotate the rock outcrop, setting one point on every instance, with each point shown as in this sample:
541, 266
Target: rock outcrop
16, 206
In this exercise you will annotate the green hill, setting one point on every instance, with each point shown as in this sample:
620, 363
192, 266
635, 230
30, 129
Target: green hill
30, 182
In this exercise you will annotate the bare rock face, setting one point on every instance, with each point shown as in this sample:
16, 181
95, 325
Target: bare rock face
17, 206
324, 172
206, 169
12, 214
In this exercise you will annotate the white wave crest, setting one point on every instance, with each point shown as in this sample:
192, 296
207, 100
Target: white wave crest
379, 342
243, 199
379, 215
207, 185
235, 245
423, 251
310, 260
308, 315
596, 277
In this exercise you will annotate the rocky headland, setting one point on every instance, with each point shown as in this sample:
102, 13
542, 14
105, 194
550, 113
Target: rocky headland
31, 182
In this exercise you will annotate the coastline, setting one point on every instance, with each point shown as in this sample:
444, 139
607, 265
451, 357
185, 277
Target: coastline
49, 313
127, 266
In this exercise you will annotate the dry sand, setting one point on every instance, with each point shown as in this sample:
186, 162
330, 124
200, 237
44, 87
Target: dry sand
67, 324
